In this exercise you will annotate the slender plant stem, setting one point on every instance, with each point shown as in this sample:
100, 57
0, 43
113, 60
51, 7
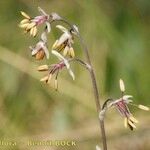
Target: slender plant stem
94, 83
96, 93
84, 64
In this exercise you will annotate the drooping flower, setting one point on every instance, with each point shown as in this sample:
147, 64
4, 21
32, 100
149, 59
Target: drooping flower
54, 69
30, 24
121, 105
64, 43
40, 50
66, 62
122, 86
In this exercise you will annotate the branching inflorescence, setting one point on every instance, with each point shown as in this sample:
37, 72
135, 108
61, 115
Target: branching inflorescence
40, 50
63, 50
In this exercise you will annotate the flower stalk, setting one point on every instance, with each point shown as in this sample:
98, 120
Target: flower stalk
94, 83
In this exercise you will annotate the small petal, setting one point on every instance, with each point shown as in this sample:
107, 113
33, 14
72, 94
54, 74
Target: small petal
58, 55
46, 51
25, 15
144, 107
23, 25
43, 68
122, 86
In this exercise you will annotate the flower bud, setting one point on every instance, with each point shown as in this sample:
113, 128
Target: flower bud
43, 68
122, 86
44, 79
143, 107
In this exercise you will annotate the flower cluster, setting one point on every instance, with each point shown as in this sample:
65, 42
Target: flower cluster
40, 49
30, 24
121, 105
62, 44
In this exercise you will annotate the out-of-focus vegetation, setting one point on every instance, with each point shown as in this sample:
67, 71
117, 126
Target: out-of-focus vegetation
117, 34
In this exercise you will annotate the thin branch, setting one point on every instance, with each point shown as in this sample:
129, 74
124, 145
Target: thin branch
81, 62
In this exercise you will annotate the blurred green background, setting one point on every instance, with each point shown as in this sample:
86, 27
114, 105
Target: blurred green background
117, 34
